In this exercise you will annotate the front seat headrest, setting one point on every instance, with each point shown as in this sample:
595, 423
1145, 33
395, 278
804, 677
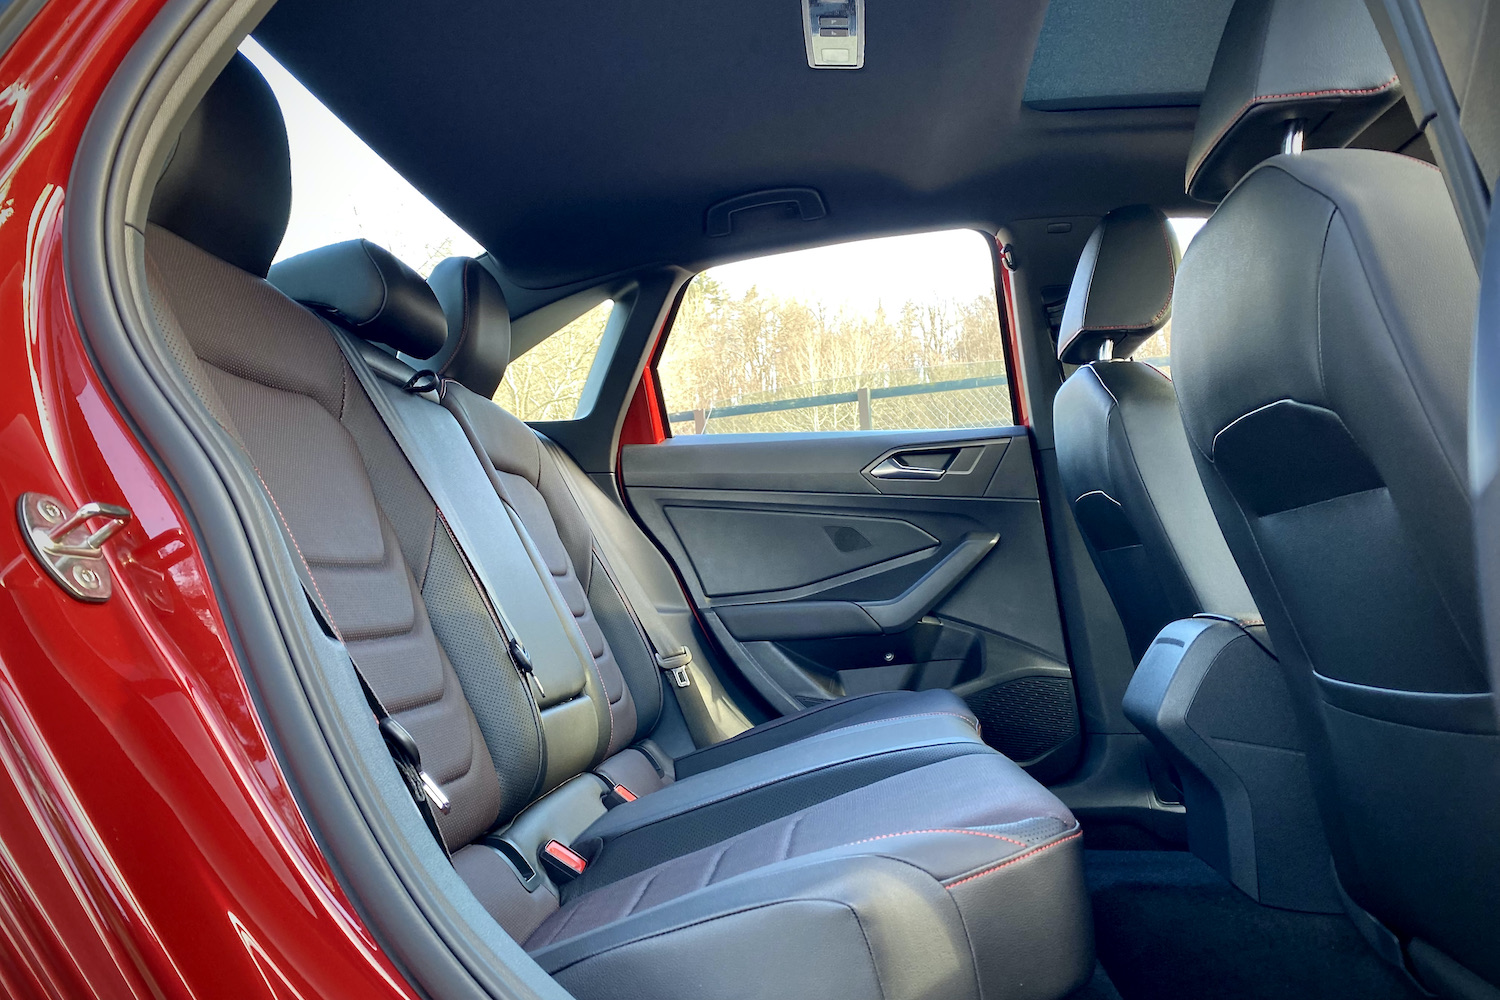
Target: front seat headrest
227, 185
478, 345
1320, 61
1122, 289
370, 292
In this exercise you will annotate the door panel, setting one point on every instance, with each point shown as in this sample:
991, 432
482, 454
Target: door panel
845, 563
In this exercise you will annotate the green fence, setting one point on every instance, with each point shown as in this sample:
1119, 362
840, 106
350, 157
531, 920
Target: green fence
910, 399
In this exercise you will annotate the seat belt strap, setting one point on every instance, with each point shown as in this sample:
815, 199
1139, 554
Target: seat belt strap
672, 658
405, 754
409, 439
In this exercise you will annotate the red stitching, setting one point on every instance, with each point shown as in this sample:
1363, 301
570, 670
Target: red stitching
1266, 99
909, 833
293, 539
894, 718
1022, 857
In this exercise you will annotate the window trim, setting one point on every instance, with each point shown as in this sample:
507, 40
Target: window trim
1004, 304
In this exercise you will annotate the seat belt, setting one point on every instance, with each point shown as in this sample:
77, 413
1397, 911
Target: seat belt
410, 439
710, 720
405, 753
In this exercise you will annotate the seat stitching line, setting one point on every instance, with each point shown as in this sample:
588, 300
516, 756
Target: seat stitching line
558, 931
791, 830
1156, 317
645, 887
814, 770
293, 539
463, 326
1004, 864
708, 880
1093, 371
1266, 99
909, 833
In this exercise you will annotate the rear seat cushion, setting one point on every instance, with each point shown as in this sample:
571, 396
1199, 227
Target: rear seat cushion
859, 710
971, 844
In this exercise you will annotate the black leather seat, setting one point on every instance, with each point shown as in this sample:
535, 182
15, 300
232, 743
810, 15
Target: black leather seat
1121, 450
1322, 352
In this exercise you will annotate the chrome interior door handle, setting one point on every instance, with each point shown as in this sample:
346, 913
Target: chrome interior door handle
894, 468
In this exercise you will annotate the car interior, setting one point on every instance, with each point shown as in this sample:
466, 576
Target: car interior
1115, 634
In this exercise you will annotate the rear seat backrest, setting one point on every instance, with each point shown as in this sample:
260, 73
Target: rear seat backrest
274, 378
353, 284
525, 475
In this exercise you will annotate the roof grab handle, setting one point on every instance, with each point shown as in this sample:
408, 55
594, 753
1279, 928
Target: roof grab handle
720, 220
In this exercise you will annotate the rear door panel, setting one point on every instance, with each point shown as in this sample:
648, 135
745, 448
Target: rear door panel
842, 563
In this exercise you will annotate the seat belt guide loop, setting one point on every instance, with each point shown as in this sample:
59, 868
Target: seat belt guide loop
409, 761
676, 664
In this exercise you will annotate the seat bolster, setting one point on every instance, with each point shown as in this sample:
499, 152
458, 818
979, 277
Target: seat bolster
949, 912
848, 746
857, 710
814, 928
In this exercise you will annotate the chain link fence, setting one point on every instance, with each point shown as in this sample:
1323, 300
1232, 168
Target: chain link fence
974, 394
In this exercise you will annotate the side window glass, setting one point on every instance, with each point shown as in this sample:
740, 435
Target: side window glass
547, 382
1157, 350
343, 190
885, 334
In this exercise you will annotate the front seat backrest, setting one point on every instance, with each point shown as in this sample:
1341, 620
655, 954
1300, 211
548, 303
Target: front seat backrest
1321, 356
1121, 451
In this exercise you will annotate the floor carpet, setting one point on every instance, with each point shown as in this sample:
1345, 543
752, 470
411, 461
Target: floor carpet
1168, 927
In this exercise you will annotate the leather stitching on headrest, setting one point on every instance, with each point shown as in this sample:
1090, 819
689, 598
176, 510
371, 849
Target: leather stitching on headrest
1156, 317
468, 309
1267, 99
385, 285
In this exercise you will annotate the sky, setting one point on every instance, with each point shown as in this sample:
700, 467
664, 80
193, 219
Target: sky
342, 190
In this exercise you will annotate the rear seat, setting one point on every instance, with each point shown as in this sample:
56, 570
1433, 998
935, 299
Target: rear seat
549, 491
876, 846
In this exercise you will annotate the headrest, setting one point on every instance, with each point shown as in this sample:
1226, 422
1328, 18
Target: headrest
1122, 290
478, 345
1321, 61
369, 292
227, 186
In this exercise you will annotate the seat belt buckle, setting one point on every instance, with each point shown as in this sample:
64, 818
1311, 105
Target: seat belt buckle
561, 862
676, 665
617, 795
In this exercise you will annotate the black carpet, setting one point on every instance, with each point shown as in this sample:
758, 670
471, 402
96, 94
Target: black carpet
1167, 926
1097, 988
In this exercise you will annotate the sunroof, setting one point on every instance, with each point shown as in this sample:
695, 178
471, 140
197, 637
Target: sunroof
1133, 54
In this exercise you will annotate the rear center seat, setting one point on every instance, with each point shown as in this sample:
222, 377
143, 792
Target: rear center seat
864, 847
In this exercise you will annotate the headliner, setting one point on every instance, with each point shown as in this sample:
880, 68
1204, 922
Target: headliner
575, 155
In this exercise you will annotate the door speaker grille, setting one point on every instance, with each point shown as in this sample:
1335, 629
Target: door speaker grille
1027, 717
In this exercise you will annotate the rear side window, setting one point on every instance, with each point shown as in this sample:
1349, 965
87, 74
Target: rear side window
547, 382
901, 333
1157, 350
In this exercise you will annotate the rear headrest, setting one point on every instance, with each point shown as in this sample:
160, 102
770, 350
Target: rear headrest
1321, 61
227, 186
1122, 290
369, 292
478, 345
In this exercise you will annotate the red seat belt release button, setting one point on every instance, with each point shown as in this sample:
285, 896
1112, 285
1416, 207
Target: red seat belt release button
617, 795
562, 862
